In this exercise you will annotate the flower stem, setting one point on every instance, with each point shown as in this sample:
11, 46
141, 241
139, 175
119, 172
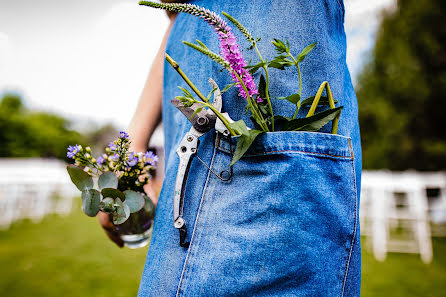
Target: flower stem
253, 109
185, 78
268, 100
199, 94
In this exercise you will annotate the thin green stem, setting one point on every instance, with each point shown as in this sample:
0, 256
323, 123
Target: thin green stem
250, 102
175, 66
268, 100
300, 83
334, 127
316, 99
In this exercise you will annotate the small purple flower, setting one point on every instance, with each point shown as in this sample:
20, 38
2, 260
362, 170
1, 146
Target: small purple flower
73, 150
114, 157
133, 160
124, 135
100, 160
112, 146
150, 158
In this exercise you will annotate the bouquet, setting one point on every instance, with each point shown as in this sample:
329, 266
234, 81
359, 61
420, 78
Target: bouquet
113, 183
257, 95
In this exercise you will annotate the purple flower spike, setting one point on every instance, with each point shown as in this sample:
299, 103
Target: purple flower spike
150, 158
73, 150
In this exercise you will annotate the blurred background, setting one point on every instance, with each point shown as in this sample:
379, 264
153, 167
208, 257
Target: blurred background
73, 72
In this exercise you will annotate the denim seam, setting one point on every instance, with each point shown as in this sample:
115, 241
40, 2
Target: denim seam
195, 227
354, 232
341, 7
290, 151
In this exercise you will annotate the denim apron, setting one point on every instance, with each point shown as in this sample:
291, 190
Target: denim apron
286, 222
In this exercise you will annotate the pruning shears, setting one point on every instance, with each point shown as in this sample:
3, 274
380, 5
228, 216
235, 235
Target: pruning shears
202, 122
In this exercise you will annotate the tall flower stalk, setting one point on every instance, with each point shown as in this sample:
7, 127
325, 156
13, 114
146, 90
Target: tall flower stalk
230, 52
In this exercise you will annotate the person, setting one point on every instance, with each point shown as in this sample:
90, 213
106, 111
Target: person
286, 222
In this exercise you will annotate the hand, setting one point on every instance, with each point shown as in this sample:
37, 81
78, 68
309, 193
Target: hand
110, 228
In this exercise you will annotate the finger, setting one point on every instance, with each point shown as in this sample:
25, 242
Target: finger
110, 229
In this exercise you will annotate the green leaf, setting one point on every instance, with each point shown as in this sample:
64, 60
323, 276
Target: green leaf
280, 62
280, 46
196, 111
149, 207
322, 101
305, 52
313, 123
90, 202
210, 93
134, 200
243, 144
112, 193
253, 68
80, 178
107, 205
239, 127
262, 87
292, 98
227, 87
122, 212
107, 180
186, 93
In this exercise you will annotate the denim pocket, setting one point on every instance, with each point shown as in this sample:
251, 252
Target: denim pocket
283, 224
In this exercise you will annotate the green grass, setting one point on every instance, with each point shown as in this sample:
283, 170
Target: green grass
70, 256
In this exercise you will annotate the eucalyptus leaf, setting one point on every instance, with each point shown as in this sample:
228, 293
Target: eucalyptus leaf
313, 123
112, 193
122, 212
305, 52
80, 178
243, 144
107, 205
134, 200
292, 98
90, 202
107, 180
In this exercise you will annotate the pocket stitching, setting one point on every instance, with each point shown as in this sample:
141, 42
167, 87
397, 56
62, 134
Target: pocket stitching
352, 242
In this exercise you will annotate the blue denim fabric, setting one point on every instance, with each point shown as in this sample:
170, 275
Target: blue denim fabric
286, 223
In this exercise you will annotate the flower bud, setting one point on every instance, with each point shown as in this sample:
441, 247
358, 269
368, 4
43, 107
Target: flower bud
93, 160
88, 149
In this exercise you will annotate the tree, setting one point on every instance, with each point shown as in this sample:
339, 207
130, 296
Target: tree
33, 134
401, 92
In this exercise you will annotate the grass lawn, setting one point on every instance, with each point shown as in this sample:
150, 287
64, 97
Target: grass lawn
70, 256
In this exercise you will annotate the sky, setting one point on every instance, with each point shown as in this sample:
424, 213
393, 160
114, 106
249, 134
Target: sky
88, 60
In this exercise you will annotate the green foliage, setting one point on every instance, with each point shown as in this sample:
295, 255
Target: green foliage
90, 202
401, 90
24, 133
312, 123
80, 178
122, 212
107, 180
135, 201
112, 193
247, 137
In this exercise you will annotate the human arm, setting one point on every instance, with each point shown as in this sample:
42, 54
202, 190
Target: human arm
144, 121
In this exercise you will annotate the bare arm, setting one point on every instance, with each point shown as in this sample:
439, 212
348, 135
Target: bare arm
148, 111
143, 123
